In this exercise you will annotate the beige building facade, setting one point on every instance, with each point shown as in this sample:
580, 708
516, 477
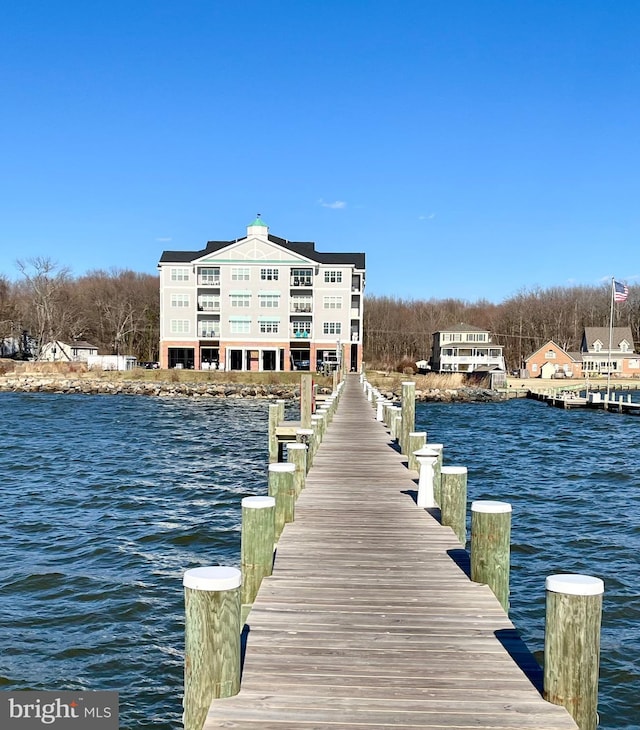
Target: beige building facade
260, 303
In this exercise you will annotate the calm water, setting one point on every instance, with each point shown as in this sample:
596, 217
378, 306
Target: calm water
108, 499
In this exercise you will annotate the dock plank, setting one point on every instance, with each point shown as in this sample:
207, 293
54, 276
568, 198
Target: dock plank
368, 620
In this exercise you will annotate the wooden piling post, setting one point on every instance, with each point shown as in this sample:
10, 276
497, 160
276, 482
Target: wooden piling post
256, 546
491, 547
572, 645
408, 415
297, 455
306, 393
274, 418
317, 423
212, 639
305, 436
453, 500
281, 486
281, 404
417, 439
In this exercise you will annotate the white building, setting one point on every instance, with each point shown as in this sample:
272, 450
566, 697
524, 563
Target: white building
463, 349
260, 303
76, 351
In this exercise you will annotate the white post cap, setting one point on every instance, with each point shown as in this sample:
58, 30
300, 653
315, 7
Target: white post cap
418, 433
305, 431
425, 452
408, 382
258, 502
574, 584
212, 578
437, 447
296, 446
282, 466
489, 506
454, 470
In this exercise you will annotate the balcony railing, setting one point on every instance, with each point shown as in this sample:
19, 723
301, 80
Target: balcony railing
296, 281
302, 308
209, 307
301, 335
208, 281
210, 333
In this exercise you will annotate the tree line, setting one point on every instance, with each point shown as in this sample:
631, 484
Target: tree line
399, 331
118, 311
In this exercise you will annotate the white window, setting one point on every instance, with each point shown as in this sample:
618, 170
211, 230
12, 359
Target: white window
301, 277
179, 326
207, 302
333, 277
534, 367
269, 326
332, 302
269, 301
240, 326
240, 300
269, 274
180, 274
209, 275
240, 273
301, 328
550, 355
208, 328
301, 304
597, 345
179, 300
624, 346
332, 328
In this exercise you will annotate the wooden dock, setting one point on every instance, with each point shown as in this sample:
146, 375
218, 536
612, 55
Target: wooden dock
568, 400
369, 620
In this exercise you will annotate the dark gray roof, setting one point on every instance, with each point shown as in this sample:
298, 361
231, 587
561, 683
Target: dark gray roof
303, 248
592, 334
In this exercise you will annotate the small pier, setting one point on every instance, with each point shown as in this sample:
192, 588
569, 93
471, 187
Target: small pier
593, 399
369, 619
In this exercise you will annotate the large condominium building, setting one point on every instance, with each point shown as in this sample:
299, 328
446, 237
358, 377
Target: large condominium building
260, 303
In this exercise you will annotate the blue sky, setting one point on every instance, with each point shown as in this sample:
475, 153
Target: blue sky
470, 148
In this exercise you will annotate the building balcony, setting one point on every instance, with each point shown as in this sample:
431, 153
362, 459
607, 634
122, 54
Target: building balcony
208, 281
209, 334
300, 335
209, 307
301, 281
301, 308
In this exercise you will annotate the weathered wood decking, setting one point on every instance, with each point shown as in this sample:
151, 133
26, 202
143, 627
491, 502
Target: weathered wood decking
368, 621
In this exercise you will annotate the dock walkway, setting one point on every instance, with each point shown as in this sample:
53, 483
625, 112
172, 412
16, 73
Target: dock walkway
368, 620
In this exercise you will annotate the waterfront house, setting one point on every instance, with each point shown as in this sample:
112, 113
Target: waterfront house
76, 351
597, 359
464, 348
551, 361
260, 303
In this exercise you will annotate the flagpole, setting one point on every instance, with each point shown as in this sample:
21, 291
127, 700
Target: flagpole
610, 339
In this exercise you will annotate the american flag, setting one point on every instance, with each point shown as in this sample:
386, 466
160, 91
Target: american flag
620, 292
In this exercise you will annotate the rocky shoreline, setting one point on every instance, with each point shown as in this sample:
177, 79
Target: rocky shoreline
93, 386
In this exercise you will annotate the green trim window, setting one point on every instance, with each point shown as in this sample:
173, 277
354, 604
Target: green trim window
240, 273
332, 302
